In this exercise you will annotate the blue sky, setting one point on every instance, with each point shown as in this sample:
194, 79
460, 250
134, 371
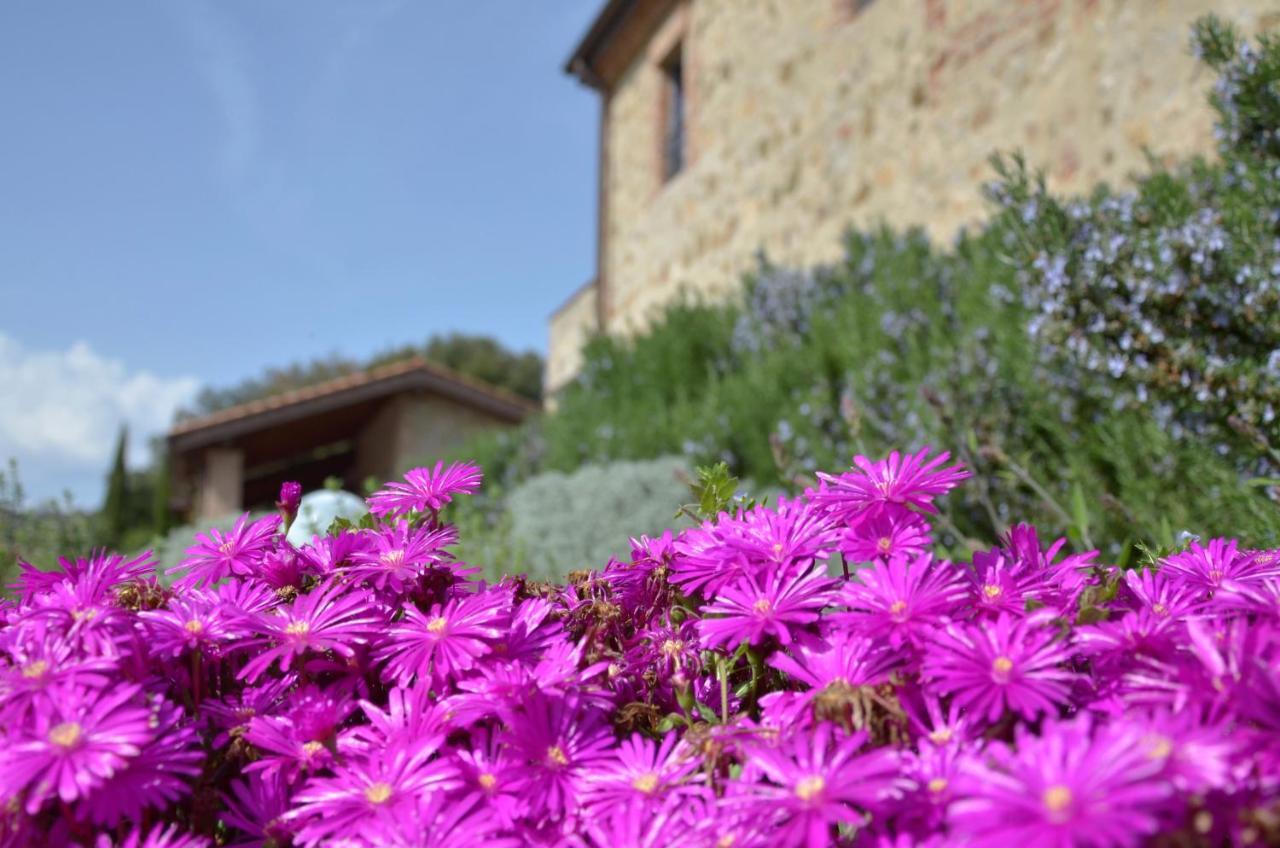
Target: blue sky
191, 190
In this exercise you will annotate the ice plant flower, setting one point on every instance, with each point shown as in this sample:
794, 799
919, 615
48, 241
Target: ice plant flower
778, 605
426, 489
820, 780
1069, 786
433, 646
1219, 565
640, 772
903, 599
399, 555
75, 743
366, 800
911, 480
331, 617
1004, 664
217, 554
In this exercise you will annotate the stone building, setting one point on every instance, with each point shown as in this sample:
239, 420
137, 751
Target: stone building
731, 126
377, 424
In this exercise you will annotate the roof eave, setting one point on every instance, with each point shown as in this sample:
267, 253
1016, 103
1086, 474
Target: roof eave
580, 62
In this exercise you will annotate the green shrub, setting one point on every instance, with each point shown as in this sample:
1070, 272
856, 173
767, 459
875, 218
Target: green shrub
904, 343
1170, 293
554, 523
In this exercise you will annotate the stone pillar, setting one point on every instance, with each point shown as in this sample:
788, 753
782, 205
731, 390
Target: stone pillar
222, 484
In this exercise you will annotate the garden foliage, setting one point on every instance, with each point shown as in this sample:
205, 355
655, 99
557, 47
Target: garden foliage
717, 686
1125, 347
1170, 293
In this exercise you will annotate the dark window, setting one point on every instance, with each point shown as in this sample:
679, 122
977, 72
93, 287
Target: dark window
673, 141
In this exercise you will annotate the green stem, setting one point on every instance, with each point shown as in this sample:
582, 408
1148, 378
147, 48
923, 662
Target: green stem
724, 690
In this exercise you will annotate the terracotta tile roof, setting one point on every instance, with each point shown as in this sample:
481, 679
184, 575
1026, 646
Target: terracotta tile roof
396, 376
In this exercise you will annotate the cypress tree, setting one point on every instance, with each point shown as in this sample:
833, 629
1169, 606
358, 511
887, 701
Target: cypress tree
115, 509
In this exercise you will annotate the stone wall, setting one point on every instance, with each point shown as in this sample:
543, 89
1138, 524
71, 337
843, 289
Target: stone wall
807, 116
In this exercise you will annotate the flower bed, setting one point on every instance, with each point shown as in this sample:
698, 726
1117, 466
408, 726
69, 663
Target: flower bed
725, 686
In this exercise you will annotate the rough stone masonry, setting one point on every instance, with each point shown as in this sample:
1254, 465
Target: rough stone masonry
806, 116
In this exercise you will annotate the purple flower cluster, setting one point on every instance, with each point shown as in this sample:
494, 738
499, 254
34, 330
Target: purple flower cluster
728, 685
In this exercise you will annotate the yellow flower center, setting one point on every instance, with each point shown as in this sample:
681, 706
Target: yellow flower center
487, 781
991, 590
1057, 799
810, 787
672, 647
777, 549
897, 608
81, 614
437, 624
763, 606
726, 841
312, 748
646, 782
298, 628
36, 669
227, 547
393, 559
884, 544
1159, 609
65, 734
1159, 747
937, 785
194, 626
556, 757
1002, 666
378, 793
940, 737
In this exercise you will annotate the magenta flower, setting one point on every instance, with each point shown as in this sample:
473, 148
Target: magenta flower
331, 617
819, 780
426, 489
999, 665
911, 480
157, 777
437, 645
256, 808
366, 800
236, 552
640, 772
1070, 786
76, 742
42, 666
193, 621
780, 605
161, 836
290, 499
399, 555
836, 670
102, 570
895, 532
561, 741
1221, 565
902, 600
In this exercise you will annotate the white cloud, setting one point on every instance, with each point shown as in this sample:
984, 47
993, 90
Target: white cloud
60, 413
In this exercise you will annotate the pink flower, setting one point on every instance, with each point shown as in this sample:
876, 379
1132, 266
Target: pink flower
332, 617
903, 599
911, 480
439, 644
367, 800
780, 604
819, 780
236, 552
1069, 786
999, 665
75, 743
425, 489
